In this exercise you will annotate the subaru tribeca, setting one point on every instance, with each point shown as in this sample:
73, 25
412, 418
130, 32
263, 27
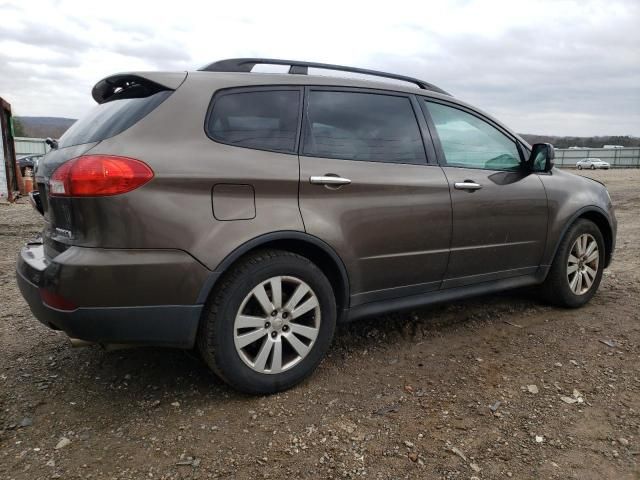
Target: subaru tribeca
245, 214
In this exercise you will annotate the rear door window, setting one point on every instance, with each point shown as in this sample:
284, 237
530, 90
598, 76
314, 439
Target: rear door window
111, 118
259, 119
362, 126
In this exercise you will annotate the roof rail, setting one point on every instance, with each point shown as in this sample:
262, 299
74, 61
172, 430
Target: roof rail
302, 68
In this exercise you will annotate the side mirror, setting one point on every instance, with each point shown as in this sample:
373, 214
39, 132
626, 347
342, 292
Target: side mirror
541, 159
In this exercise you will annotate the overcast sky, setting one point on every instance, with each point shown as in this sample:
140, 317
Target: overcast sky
557, 67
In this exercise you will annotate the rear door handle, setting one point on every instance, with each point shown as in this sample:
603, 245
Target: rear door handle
467, 185
329, 180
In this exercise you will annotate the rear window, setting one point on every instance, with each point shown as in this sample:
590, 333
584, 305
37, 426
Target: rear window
263, 120
111, 118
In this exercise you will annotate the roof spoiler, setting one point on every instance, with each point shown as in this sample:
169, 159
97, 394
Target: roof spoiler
145, 83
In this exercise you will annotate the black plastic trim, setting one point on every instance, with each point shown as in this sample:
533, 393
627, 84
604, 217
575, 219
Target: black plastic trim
446, 295
302, 68
264, 239
578, 214
158, 325
394, 292
116, 85
425, 132
486, 277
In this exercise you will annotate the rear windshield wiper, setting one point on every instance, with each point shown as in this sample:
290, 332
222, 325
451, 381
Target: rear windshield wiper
52, 142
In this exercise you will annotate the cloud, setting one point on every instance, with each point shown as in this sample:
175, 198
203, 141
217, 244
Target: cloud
153, 51
563, 67
42, 34
583, 78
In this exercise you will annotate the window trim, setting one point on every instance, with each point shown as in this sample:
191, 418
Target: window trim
427, 146
442, 161
250, 89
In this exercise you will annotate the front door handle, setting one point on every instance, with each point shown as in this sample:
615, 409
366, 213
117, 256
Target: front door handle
467, 185
330, 180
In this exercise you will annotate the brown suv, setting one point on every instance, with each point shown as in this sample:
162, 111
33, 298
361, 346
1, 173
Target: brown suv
246, 213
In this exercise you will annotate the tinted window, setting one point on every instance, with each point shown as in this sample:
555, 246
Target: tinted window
111, 118
362, 126
266, 120
470, 142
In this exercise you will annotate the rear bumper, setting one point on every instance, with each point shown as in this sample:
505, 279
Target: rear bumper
161, 324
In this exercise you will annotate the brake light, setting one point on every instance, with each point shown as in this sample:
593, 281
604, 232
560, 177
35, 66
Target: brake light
98, 175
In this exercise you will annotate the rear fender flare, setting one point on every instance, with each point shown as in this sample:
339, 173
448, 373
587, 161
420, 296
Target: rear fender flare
274, 238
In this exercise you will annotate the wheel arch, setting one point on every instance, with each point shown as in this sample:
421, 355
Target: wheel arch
600, 218
304, 244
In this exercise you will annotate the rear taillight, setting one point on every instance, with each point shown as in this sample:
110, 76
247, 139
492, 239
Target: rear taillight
98, 175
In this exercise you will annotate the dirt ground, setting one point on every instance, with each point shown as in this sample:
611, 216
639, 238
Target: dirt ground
463, 390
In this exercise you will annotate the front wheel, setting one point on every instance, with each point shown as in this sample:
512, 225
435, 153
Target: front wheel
270, 322
593, 167
577, 268
579, 167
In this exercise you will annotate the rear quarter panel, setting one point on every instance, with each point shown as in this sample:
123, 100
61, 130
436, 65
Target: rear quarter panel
174, 210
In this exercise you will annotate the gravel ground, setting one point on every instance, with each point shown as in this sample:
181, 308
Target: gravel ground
464, 390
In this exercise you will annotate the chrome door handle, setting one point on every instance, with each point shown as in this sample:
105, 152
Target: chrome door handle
467, 185
329, 180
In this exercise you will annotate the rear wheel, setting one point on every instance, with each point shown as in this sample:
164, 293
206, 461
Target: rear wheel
577, 269
593, 167
270, 322
579, 167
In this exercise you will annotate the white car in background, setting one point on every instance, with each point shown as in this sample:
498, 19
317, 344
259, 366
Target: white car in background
592, 163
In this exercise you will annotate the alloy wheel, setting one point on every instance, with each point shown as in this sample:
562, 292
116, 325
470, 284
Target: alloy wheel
277, 324
582, 265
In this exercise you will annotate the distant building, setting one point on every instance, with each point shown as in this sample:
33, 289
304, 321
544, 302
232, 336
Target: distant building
30, 146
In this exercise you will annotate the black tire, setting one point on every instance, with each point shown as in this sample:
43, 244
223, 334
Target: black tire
216, 334
593, 167
579, 167
556, 289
